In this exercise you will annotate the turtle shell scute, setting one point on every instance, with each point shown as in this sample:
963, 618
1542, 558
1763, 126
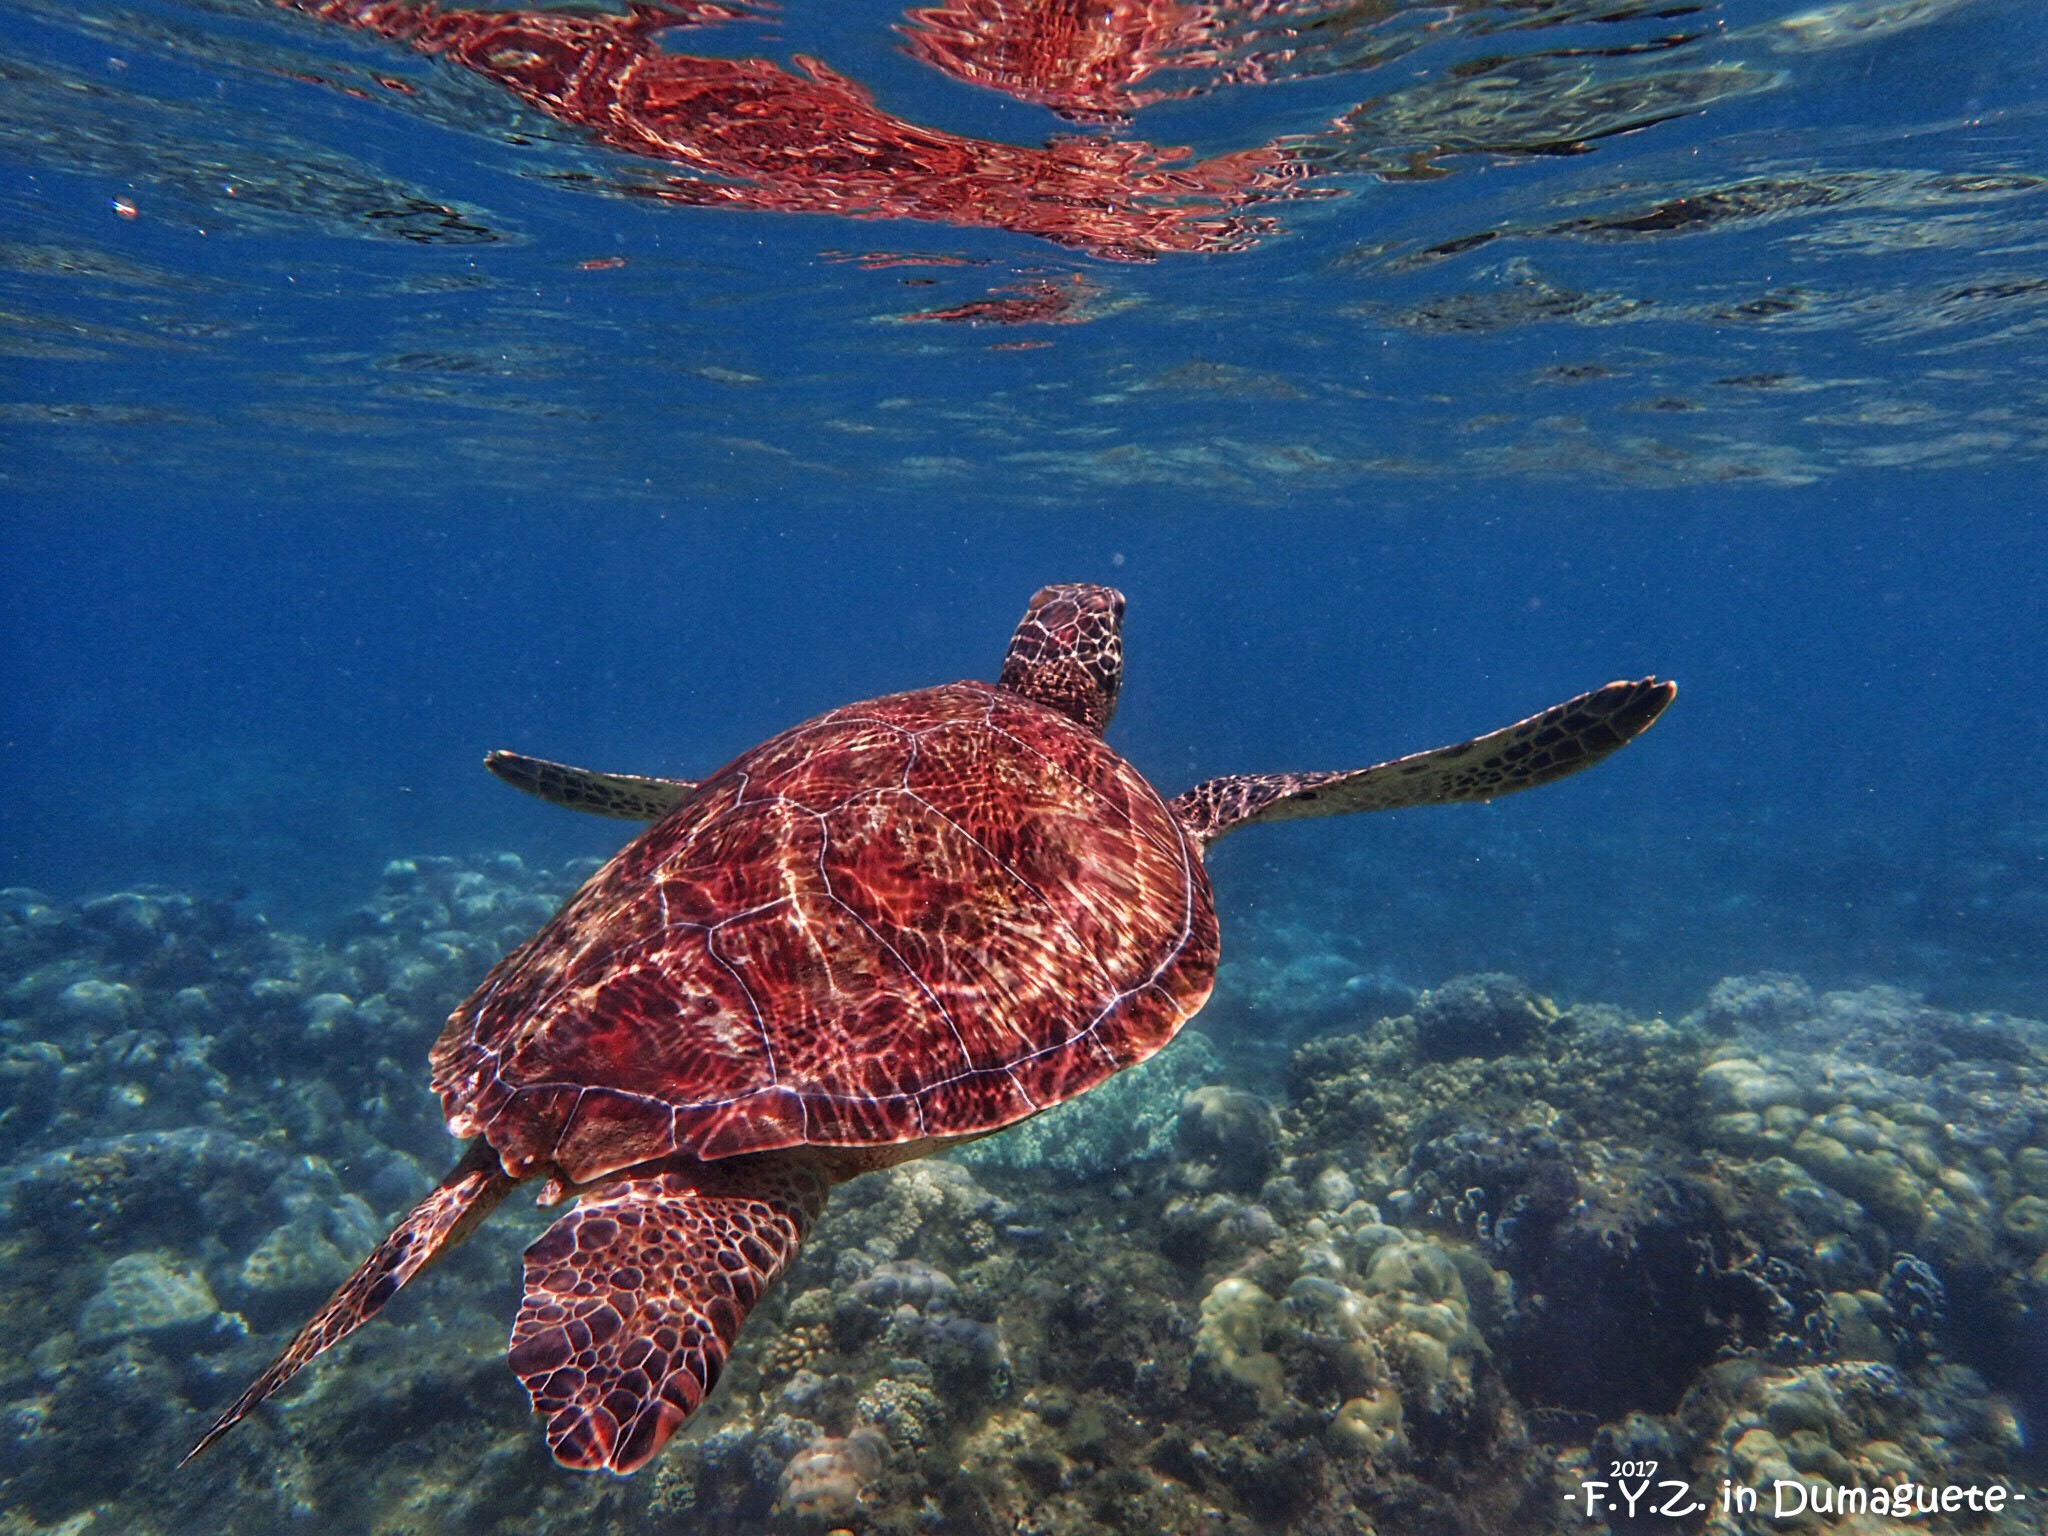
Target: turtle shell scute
923, 916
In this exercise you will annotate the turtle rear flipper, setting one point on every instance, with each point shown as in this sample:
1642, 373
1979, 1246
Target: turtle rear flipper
634, 1298
628, 796
1561, 740
469, 1193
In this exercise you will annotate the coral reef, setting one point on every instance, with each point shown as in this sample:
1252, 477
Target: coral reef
1227, 1139
1486, 1015
824, 1482
1128, 1121
146, 1293
1416, 1262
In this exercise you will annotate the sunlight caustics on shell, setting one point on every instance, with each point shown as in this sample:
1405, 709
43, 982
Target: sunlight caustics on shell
925, 915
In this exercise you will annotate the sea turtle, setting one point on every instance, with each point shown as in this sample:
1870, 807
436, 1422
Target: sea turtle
905, 923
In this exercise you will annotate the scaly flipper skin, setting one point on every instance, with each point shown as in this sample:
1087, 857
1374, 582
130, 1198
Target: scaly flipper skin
437, 1223
1562, 740
634, 1298
628, 796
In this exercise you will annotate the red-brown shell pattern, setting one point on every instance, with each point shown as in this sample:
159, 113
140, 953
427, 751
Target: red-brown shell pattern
927, 915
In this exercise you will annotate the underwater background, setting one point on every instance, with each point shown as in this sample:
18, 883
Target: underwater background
383, 387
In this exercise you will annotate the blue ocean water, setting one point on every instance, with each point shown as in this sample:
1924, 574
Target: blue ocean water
1409, 368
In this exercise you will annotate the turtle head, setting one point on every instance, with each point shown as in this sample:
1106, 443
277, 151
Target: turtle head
1068, 654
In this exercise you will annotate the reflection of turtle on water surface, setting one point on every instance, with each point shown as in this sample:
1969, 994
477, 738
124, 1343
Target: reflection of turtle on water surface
904, 923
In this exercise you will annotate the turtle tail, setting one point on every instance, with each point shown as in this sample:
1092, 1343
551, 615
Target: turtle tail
473, 1187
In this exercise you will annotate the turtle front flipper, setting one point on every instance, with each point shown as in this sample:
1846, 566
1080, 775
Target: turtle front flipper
437, 1223
1563, 739
634, 1298
628, 796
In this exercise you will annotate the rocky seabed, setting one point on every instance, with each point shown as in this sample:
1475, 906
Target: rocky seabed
1463, 1259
